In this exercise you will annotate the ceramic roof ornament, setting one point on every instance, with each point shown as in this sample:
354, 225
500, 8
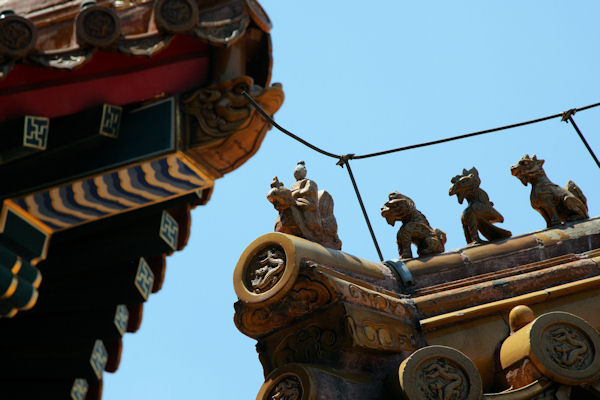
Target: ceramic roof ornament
556, 204
304, 210
480, 214
415, 227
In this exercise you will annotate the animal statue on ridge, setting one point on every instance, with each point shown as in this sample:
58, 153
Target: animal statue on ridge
415, 227
480, 215
305, 211
556, 204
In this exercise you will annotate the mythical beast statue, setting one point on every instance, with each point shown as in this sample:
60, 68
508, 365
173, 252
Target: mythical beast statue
556, 204
305, 211
480, 214
415, 227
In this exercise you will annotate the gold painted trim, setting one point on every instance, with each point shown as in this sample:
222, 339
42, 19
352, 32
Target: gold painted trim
79, 193
128, 186
151, 177
58, 205
194, 166
104, 193
17, 266
11, 289
539, 296
35, 212
32, 301
38, 280
9, 204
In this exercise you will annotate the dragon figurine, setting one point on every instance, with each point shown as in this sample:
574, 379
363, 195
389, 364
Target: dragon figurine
304, 210
415, 227
480, 214
556, 204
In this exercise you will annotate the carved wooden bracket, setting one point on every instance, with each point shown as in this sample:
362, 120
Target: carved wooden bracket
222, 128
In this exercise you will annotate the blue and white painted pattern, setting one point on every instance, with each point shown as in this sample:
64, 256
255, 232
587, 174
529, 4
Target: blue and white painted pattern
79, 389
99, 358
101, 196
36, 132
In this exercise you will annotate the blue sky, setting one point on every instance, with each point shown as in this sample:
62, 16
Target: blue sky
362, 77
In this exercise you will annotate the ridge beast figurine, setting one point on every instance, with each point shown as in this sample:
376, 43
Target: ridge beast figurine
304, 210
415, 227
480, 214
556, 204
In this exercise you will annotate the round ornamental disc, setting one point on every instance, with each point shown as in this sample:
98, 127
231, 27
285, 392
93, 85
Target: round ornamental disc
266, 270
259, 16
565, 348
18, 36
439, 372
176, 16
98, 26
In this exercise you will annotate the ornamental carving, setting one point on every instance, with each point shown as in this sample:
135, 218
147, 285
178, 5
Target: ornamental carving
304, 211
554, 203
568, 347
222, 126
265, 269
415, 227
379, 336
305, 296
442, 379
98, 26
224, 24
378, 301
310, 344
480, 215
17, 36
176, 16
288, 388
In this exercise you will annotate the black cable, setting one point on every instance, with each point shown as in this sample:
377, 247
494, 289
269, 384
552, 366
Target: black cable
570, 119
414, 146
344, 161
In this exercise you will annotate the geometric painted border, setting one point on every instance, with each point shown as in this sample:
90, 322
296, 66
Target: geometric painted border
110, 193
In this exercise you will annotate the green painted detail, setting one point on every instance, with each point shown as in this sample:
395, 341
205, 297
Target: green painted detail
121, 318
79, 389
23, 295
18, 282
99, 358
6, 281
144, 278
22, 237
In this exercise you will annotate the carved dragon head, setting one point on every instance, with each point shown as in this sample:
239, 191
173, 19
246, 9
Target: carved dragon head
397, 207
464, 184
527, 169
280, 196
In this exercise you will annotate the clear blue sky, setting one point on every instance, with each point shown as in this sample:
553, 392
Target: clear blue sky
362, 77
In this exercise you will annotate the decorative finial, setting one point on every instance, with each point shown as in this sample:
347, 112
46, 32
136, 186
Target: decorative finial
480, 214
415, 227
305, 211
554, 203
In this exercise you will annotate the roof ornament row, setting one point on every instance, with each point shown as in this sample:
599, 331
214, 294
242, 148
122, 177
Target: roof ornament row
99, 26
306, 212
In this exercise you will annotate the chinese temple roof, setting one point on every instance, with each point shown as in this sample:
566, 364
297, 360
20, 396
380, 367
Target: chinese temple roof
510, 319
117, 118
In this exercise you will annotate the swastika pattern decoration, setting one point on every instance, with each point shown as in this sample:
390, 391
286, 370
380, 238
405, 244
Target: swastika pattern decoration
35, 133
144, 278
99, 358
79, 389
111, 120
169, 230
122, 317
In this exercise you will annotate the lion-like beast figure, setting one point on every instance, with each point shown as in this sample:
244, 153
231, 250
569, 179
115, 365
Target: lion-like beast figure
299, 217
415, 227
556, 204
480, 214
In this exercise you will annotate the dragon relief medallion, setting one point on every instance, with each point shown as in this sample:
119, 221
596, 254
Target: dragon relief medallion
288, 388
442, 379
265, 269
568, 347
